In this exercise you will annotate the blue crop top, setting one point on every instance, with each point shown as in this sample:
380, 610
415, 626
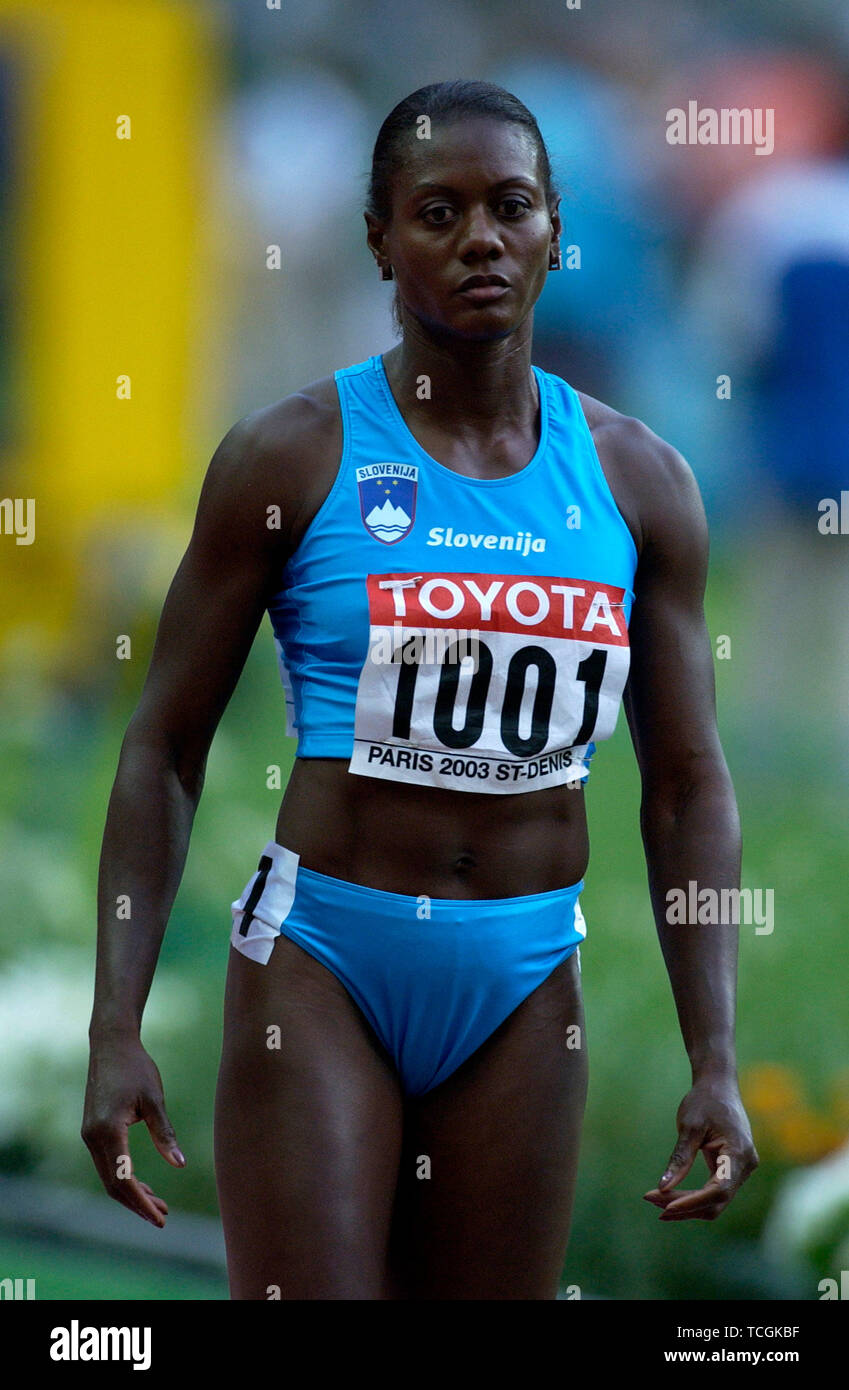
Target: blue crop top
451, 631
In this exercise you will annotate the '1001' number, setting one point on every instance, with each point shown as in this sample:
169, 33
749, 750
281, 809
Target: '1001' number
590, 671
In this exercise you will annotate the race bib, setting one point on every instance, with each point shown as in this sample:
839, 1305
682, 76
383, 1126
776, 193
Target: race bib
488, 682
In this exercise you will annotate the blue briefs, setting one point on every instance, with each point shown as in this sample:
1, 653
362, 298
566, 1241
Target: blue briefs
434, 977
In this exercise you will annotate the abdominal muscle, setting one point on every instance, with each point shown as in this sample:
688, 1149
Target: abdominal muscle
430, 840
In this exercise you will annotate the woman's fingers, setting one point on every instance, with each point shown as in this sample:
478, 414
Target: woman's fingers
108, 1145
707, 1202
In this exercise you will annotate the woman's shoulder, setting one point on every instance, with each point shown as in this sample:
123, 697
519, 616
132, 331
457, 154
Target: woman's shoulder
631, 439
287, 451
284, 456
651, 481
302, 423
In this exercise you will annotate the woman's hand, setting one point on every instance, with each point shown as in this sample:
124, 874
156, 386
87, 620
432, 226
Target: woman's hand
124, 1086
711, 1118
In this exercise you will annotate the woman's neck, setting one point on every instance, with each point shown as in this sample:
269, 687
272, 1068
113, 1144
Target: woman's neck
482, 384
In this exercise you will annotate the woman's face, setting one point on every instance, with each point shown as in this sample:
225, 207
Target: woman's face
468, 202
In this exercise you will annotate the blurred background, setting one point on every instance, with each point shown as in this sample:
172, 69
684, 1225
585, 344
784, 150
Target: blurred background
150, 156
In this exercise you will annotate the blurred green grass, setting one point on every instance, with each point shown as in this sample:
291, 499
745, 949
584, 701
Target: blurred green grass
64, 1270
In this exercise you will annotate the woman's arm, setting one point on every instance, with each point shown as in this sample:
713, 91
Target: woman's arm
209, 620
689, 823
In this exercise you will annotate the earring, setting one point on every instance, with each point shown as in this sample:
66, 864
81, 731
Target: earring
385, 272
555, 260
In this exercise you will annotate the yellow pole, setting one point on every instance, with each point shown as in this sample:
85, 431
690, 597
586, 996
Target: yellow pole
109, 144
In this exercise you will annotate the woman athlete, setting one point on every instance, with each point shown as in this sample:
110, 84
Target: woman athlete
404, 1062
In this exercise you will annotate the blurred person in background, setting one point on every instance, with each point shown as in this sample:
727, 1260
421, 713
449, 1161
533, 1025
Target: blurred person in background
404, 1063
766, 284
771, 288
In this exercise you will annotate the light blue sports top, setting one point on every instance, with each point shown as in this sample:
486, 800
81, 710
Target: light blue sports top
450, 631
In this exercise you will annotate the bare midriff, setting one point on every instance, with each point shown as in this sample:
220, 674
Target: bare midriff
429, 840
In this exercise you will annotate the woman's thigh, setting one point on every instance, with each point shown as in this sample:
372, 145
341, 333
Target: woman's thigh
308, 1128
488, 1215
